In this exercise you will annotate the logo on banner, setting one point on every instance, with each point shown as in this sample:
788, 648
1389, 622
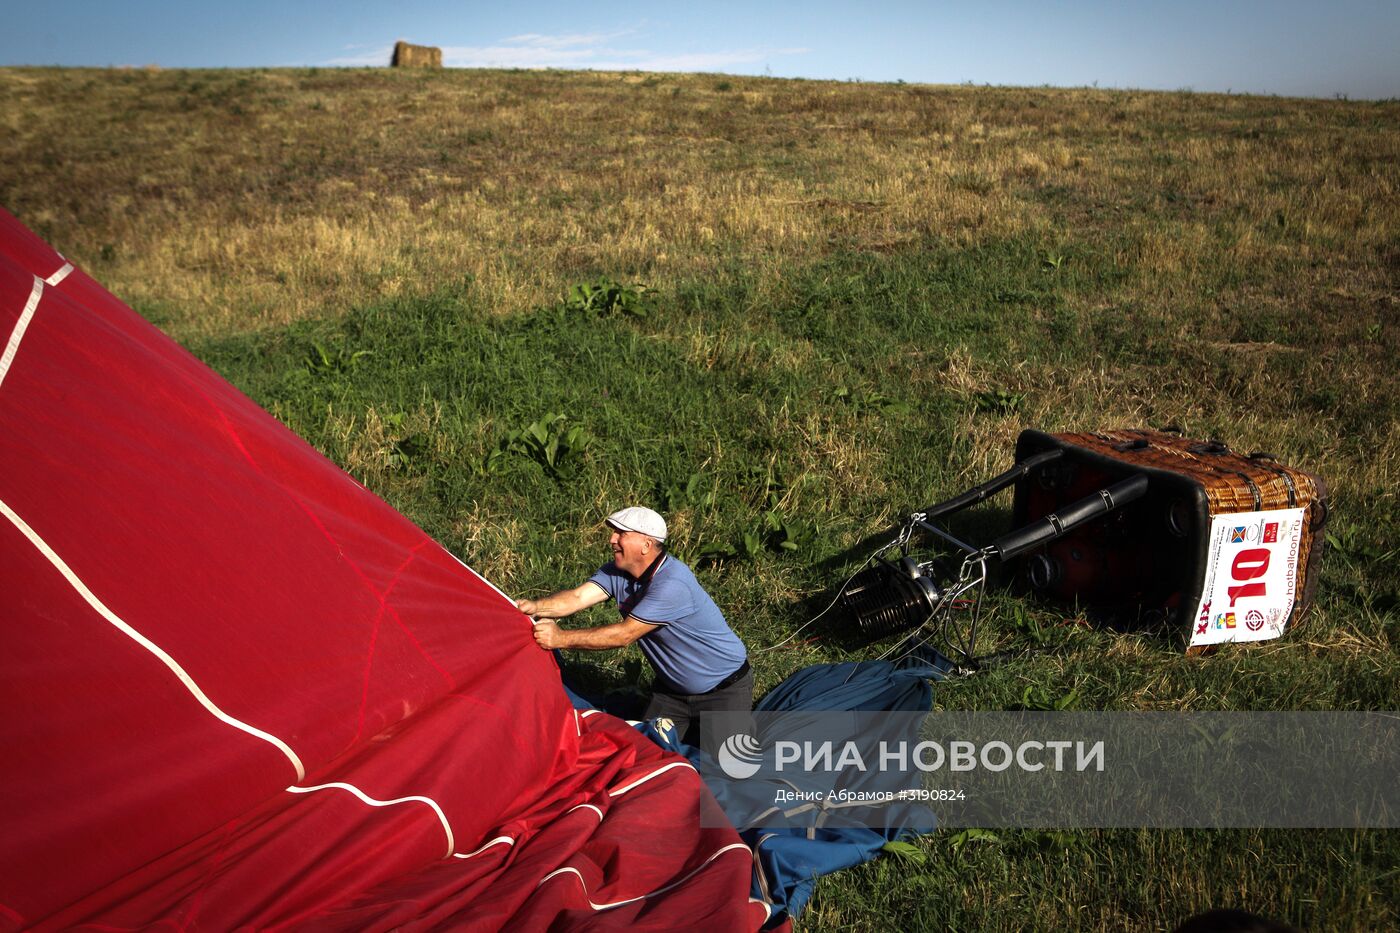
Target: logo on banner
1254, 620
740, 756
1225, 620
1260, 532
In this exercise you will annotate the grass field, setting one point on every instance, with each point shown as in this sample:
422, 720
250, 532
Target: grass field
809, 307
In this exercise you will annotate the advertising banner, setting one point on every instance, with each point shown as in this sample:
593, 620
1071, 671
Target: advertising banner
1251, 576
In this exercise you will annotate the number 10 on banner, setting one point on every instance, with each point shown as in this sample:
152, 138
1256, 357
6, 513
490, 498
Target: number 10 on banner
1247, 565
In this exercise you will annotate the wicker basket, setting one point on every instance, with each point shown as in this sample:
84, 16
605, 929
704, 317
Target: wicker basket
1150, 562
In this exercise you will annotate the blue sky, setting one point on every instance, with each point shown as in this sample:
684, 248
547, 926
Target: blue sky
1289, 47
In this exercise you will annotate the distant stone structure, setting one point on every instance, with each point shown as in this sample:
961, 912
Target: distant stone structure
415, 56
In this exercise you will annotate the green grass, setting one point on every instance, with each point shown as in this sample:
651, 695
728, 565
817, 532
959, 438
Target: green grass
853, 297
1118, 880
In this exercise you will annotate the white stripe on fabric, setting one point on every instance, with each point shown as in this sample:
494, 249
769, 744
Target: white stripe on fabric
61, 274
442, 817
478, 576
17, 334
632, 900
588, 806
758, 869
145, 642
643, 780
765, 814
510, 840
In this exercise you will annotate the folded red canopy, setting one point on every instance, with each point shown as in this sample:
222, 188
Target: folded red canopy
238, 689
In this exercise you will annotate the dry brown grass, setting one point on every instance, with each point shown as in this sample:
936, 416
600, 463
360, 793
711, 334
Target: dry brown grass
241, 199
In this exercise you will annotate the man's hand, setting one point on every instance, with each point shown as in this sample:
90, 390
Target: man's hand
527, 606
548, 635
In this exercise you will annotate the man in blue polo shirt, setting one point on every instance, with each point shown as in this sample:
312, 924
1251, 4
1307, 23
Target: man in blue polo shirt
700, 664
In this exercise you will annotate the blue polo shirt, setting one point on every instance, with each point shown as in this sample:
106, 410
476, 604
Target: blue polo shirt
694, 648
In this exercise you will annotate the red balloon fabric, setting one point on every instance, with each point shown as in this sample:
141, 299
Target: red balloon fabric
239, 690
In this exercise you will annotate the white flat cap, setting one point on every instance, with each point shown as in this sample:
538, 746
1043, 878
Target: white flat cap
639, 519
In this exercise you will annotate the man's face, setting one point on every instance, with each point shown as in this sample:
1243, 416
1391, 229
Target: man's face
631, 551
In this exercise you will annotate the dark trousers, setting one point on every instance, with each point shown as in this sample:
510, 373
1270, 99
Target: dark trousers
730, 709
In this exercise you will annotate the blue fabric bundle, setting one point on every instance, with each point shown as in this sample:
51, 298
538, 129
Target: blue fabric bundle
788, 861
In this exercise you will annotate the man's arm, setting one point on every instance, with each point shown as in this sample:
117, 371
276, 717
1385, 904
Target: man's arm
563, 603
602, 637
